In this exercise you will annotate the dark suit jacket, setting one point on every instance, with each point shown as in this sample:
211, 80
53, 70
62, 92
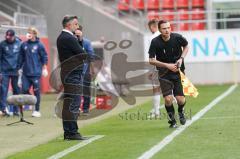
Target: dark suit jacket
71, 54
68, 46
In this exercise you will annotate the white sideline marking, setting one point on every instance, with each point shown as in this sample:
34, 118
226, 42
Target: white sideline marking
75, 147
155, 149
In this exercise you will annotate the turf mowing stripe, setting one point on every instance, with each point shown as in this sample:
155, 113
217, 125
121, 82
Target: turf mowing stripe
75, 147
155, 149
220, 117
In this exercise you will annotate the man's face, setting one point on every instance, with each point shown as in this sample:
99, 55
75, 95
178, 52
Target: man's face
165, 29
9, 38
73, 25
153, 28
30, 35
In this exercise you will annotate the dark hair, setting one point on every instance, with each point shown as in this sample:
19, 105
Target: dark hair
68, 18
152, 22
10, 32
161, 22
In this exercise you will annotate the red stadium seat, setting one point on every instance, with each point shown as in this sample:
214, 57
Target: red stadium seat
198, 3
168, 14
153, 4
138, 4
198, 26
153, 15
183, 26
174, 27
123, 5
198, 13
182, 14
182, 3
167, 4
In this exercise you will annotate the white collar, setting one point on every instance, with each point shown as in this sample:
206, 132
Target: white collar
65, 30
156, 33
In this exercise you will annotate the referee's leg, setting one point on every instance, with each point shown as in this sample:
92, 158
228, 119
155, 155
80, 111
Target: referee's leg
181, 101
170, 110
167, 91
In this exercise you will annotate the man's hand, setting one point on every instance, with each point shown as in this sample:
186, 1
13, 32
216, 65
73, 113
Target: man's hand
92, 72
45, 71
20, 72
19, 82
179, 62
150, 76
79, 34
172, 67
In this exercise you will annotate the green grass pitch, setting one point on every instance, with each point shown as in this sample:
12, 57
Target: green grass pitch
214, 136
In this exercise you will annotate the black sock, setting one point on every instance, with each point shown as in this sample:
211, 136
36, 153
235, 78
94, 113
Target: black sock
171, 112
181, 107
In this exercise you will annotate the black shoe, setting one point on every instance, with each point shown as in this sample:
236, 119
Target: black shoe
182, 118
74, 137
173, 124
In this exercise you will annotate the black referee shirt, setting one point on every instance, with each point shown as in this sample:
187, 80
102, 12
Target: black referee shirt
167, 51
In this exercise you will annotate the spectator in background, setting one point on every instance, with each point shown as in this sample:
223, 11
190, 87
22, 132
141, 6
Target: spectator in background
33, 64
87, 69
153, 76
9, 54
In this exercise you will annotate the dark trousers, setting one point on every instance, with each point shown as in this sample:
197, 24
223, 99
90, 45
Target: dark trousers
34, 81
87, 88
5, 79
71, 104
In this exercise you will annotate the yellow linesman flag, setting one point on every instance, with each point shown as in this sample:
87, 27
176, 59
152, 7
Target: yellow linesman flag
188, 88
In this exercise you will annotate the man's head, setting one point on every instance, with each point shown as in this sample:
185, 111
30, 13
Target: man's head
153, 25
164, 28
10, 35
70, 23
32, 33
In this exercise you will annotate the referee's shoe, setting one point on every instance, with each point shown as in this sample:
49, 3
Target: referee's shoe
182, 118
173, 123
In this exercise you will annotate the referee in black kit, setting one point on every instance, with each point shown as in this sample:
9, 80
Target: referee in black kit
71, 56
167, 52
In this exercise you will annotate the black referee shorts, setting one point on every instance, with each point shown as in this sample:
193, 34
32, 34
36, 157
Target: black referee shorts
171, 84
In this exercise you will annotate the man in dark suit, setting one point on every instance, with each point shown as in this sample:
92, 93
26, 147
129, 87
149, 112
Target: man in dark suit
71, 56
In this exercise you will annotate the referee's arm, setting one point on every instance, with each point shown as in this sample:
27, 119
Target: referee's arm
171, 66
157, 63
185, 51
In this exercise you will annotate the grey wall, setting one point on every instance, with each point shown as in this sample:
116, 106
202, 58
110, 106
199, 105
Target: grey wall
95, 24
214, 72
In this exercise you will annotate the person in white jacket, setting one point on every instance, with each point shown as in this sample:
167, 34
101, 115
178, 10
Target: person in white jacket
153, 76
